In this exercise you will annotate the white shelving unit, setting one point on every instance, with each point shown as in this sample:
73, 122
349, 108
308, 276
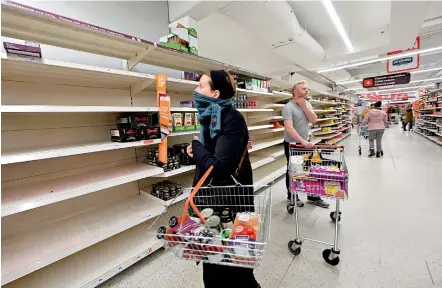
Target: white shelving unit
70, 195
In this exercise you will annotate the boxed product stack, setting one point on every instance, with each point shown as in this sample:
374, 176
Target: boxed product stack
166, 190
252, 84
185, 122
135, 127
182, 36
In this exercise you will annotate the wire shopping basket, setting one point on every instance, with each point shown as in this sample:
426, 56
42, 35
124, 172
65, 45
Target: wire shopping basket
226, 225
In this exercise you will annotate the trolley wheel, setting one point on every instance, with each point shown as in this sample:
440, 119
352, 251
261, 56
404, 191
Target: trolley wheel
173, 221
331, 256
360, 151
333, 216
161, 231
290, 208
295, 247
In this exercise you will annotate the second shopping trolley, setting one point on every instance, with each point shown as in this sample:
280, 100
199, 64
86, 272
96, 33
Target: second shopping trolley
320, 171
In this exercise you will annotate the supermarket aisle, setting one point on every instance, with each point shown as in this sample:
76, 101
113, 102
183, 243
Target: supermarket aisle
390, 232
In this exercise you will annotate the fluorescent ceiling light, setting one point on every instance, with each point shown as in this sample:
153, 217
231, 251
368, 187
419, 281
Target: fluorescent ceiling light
426, 70
395, 89
337, 22
428, 79
411, 53
411, 72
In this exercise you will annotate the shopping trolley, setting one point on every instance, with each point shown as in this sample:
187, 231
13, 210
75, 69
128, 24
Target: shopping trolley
322, 171
226, 225
362, 133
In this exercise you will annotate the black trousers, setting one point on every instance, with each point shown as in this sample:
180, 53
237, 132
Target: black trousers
215, 276
287, 174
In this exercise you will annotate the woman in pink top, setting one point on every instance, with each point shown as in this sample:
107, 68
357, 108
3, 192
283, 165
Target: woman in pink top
377, 121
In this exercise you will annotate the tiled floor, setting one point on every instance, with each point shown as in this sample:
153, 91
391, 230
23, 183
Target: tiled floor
390, 234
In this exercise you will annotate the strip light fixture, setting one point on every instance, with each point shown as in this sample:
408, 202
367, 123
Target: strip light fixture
428, 79
338, 24
411, 72
382, 59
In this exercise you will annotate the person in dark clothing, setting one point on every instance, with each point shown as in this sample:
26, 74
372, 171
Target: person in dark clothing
223, 144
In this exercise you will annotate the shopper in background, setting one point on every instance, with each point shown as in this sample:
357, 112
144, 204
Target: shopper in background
408, 118
224, 137
297, 114
377, 121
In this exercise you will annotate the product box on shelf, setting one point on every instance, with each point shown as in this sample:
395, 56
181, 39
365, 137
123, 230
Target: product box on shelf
138, 120
184, 22
197, 123
189, 121
22, 47
187, 104
124, 135
241, 101
177, 122
190, 76
174, 42
181, 33
150, 133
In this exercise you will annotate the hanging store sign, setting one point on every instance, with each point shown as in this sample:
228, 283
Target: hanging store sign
387, 80
374, 97
163, 102
406, 63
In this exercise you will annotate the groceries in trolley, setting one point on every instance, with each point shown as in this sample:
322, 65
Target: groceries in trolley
314, 172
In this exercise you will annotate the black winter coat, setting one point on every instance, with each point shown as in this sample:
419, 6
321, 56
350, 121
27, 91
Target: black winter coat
224, 152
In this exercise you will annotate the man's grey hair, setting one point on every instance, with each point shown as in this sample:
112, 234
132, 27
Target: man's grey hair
296, 85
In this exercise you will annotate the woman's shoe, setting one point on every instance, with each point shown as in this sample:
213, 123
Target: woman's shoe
382, 152
378, 154
371, 153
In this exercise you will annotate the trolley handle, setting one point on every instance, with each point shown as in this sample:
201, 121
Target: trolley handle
318, 146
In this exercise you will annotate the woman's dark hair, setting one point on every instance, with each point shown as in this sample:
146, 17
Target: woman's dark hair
223, 82
377, 104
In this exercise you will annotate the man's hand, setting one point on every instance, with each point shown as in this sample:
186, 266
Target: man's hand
307, 144
190, 151
301, 102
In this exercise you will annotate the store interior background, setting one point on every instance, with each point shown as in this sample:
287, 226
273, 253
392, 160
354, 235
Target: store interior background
248, 35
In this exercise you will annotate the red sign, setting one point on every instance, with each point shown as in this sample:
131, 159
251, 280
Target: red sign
406, 63
372, 97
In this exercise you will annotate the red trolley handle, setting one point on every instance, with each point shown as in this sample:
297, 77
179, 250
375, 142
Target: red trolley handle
318, 146
189, 200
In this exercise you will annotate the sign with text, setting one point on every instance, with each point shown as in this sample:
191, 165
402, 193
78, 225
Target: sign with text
163, 102
387, 80
407, 63
372, 97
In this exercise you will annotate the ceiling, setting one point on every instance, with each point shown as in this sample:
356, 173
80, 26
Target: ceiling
295, 34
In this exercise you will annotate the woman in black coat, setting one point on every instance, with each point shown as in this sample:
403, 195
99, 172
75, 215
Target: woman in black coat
223, 144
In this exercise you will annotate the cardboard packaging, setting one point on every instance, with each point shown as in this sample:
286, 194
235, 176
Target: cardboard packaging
184, 22
21, 47
124, 135
177, 122
189, 121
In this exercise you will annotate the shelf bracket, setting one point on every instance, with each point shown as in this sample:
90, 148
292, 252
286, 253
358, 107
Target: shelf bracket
130, 63
140, 86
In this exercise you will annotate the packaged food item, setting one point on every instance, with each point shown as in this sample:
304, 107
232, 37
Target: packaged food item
177, 122
187, 104
226, 218
189, 122
124, 135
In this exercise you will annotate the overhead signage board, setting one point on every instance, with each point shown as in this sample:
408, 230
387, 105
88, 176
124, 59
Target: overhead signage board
387, 80
405, 63
373, 97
